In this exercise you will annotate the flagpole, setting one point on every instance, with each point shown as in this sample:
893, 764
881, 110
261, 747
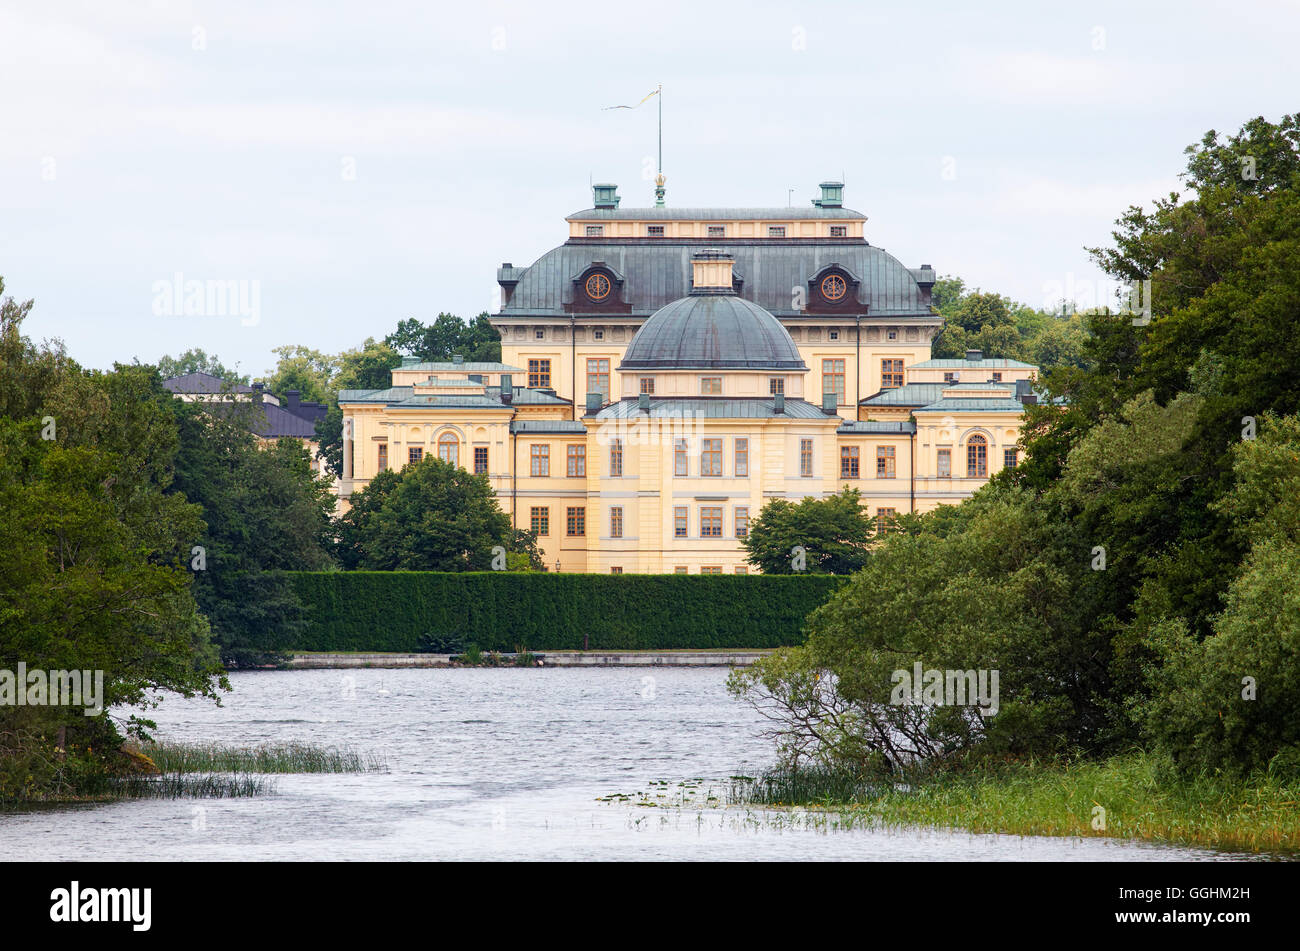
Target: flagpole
659, 178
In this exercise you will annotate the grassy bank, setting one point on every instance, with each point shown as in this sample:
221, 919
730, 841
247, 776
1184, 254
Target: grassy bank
1139, 801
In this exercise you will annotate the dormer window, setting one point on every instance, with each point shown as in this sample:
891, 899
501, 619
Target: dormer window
654, 231
776, 231
834, 287
595, 231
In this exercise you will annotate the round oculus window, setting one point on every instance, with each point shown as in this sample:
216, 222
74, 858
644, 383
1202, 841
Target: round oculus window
598, 287
834, 287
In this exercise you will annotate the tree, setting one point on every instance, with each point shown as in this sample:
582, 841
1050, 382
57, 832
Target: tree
368, 367
821, 536
432, 516
308, 371
197, 361
93, 551
446, 337
266, 513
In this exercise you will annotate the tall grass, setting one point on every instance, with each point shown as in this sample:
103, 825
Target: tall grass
1128, 797
267, 758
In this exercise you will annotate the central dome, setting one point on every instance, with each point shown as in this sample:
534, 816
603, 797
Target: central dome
712, 332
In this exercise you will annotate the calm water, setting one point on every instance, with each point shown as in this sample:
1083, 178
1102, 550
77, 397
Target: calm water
491, 764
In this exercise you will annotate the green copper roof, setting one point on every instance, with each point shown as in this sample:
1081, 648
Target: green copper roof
987, 363
802, 213
713, 408
870, 427
965, 405
912, 394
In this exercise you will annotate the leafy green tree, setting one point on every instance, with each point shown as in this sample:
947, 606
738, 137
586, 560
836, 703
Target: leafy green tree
308, 371
266, 513
368, 367
93, 553
447, 336
198, 361
821, 536
432, 516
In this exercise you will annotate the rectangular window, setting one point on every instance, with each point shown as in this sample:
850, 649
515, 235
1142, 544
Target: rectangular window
616, 522
776, 231
891, 373
833, 378
616, 459
679, 522
710, 457
839, 231
539, 520
741, 570
834, 335
711, 521
776, 385
648, 385
654, 231
615, 570
598, 335
681, 465
950, 377
680, 570
539, 373
849, 462
480, 460
711, 570
806, 458
945, 463
595, 231
575, 521
577, 461
414, 454
1009, 458
742, 521
885, 462
742, 458
717, 231
540, 455
997, 377
710, 386
539, 334
598, 377
383, 456
884, 519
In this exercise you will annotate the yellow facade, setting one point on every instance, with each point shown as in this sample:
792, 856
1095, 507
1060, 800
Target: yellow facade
665, 481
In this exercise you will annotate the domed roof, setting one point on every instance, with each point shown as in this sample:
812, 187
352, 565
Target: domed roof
715, 332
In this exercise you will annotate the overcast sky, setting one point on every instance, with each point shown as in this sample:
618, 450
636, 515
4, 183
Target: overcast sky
359, 163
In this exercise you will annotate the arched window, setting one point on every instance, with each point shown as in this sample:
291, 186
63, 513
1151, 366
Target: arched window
449, 448
977, 457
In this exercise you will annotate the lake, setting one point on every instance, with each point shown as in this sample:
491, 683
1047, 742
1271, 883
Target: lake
494, 764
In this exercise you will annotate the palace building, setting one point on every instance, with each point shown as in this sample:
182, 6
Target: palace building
668, 371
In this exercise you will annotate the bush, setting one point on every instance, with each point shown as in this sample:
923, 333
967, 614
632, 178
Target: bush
394, 611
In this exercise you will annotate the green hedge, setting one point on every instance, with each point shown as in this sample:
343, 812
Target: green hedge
389, 611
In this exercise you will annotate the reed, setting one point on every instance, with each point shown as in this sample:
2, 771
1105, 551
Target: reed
1126, 797
266, 758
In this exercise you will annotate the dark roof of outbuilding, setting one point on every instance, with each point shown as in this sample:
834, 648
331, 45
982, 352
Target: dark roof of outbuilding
264, 419
712, 332
203, 383
655, 274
